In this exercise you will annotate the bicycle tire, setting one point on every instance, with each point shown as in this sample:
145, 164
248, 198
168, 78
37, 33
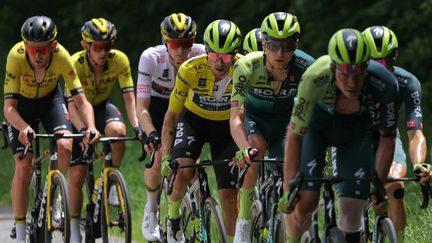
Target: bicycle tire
35, 234
334, 234
162, 214
86, 223
387, 231
60, 214
119, 218
257, 224
211, 208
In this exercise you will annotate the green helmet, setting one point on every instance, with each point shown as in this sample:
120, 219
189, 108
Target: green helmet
382, 42
280, 25
222, 36
253, 41
348, 46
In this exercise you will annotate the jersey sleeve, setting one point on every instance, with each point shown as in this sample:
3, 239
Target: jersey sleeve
388, 111
12, 77
180, 91
146, 67
314, 82
241, 76
413, 100
69, 73
124, 73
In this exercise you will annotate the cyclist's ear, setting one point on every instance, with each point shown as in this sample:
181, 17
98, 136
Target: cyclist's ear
84, 45
54, 44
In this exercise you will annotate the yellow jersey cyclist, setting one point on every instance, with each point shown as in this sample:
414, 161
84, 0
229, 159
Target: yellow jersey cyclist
253, 41
265, 84
333, 108
99, 67
157, 69
32, 92
384, 48
203, 91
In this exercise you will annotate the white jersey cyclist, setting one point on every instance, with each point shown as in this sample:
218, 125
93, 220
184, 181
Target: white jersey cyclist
155, 73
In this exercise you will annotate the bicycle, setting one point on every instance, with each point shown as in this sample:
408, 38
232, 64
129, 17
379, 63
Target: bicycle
198, 206
50, 216
111, 222
383, 229
267, 222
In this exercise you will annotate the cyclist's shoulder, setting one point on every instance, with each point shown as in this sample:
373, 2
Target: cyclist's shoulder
402, 75
155, 51
320, 69
79, 57
380, 76
302, 59
17, 52
60, 52
118, 58
250, 63
195, 64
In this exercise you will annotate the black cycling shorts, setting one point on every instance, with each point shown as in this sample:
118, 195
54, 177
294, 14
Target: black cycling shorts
157, 109
105, 113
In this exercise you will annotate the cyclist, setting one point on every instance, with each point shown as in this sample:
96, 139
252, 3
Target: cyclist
332, 108
99, 66
383, 45
253, 41
32, 92
203, 87
265, 84
156, 76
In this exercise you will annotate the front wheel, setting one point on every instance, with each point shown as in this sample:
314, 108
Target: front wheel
57, 226
118, 228
257, 225
387, 232
214, 226
279, 234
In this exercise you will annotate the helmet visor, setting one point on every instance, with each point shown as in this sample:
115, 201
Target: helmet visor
226, 58
286, 45
98, 47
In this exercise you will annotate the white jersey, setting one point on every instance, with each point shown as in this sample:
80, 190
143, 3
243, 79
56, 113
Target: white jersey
156, 74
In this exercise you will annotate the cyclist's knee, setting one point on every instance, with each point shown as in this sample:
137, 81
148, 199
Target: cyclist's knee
115, 129
395, 190
258, 142
64, 146
23, 171
76, 176
307, 203
350, 214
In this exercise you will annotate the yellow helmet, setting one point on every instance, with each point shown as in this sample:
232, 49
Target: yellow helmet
178, 26
98, 29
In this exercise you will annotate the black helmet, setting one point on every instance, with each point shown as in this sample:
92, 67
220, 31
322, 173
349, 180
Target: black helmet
98, 29
39, 29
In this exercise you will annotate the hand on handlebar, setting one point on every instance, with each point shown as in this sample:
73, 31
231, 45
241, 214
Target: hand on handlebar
166, 166
23, 135
422, 171
96, 137
245, 155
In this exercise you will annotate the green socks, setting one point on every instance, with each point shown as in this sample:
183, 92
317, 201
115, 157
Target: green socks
173, 209
293, 239
230, 238
246, 196
400, 235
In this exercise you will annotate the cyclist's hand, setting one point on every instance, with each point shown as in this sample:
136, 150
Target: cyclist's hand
381, 207
165, 167
138, 132
422, 171
154, 140
245, 155
22, 137
283, 203
96, 137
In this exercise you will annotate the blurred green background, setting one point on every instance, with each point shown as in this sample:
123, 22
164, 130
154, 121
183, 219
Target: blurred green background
137, 23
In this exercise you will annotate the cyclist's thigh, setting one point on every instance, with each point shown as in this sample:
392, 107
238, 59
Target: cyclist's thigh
312, 157
188, 142
399, 154
223, 147
354, 159
157, 109
56, 116
12, 139
105, 113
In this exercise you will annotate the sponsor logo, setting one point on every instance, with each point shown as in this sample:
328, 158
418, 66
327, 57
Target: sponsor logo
165, 73
300, 107
202, 82
292, 125
391, 116
411, 124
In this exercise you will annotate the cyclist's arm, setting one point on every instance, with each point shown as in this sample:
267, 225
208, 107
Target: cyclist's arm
417, 146
12, 115
75, 116
384, 156
240, 83
293, 147
176, 104
86, 110
129, 100
145, 68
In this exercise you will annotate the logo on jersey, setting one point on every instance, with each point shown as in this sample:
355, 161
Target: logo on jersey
391, 116
165, 73
202, 82
416, 100
71, 72
20, 50
81, 59
411, 124
300, 107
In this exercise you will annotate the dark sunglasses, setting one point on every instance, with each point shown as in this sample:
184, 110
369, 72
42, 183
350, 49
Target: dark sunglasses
226, 58
176, 44
284, 45
98, 47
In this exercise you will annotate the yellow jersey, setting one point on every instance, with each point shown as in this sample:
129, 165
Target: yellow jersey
195, 88
116, 68
20, 78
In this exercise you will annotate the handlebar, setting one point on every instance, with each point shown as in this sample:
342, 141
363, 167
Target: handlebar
242, 170
119, 139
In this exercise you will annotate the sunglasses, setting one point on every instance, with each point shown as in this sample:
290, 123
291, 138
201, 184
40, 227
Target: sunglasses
226, 58
284, 45
184, 43
98, 47
352, 69
43, 50
385, 62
